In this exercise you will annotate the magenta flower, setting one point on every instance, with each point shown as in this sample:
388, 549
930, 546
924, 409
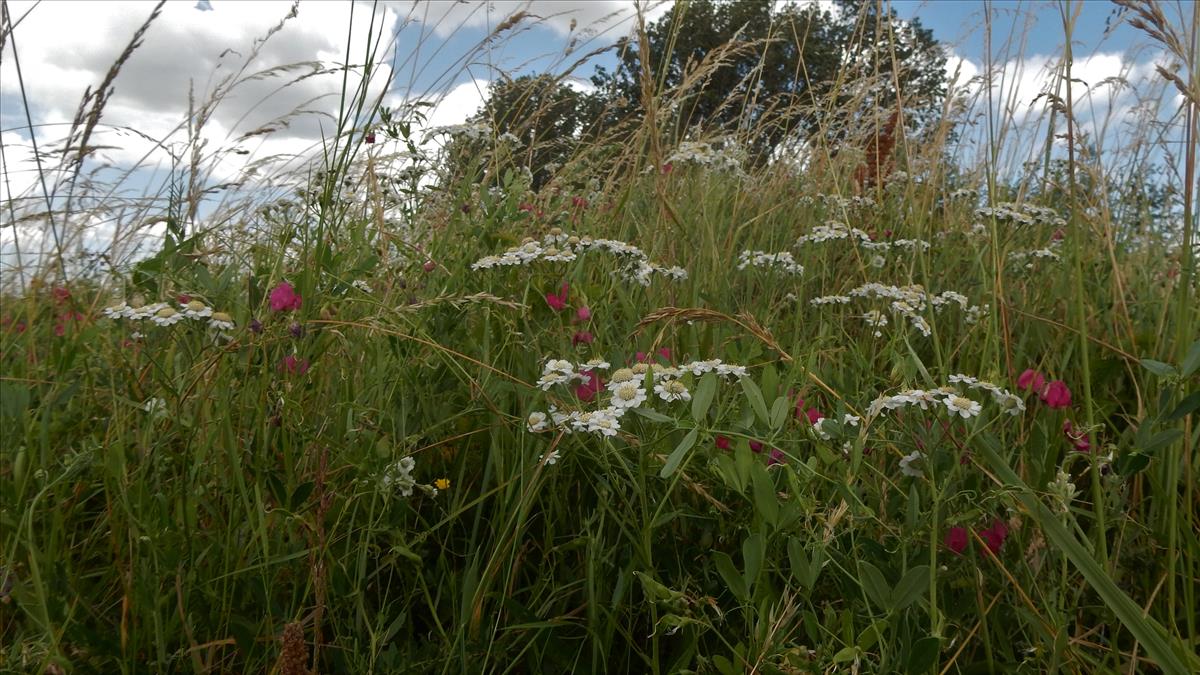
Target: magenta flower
956, 540
756, 446
995, 535
723, 443
293, 366
284, 298
429, 266
1056, 395
1031, 380
558, 301
776, 457
583, 314
581, 337
643, 357
1077, 438
588, 390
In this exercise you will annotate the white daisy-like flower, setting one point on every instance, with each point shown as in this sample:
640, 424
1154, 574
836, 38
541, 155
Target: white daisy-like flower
220, 321
139, 312
906, 464
963, 379
195, 309
155, 407
551, 458
628, 395
595, 364
116, 311
555, 255
1013, 405
963, 406
672, 390
551, 379
561, 366
604, 423
560, 419
167, 316
818, 428
922, 398
537, 422
662, 372
621, 375
699, 368
728, 369
851, 420
640, 368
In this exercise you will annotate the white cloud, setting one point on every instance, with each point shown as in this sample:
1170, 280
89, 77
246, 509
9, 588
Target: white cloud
591, 16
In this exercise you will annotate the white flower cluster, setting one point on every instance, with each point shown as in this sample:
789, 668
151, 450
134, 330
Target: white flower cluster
722, 155
833, 230
907, 301
398, 476
951, 398
964, 194
361, 285
838, 202
1022, 214
472, 132
163, 314
1028, 257
896, 243
625, 391
782, 262
557, 246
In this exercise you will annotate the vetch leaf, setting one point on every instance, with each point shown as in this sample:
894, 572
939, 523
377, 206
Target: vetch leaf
875, 585
703, 396
756, 399
1159, 368
733, 579
1191, 362
678, 453
911, 586
923, 655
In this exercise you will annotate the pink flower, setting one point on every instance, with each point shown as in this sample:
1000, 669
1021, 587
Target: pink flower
956, 540
776, 457
184, 298
723, 443
1030, 379
370, 137
61, 294
429, 266
588, 390
558, 301
995, 535
293, 366
643, 357
811, 414
284, 298
1056, 395
668, 168
526, 207
583, 314
581, 337
579, 202
1078, 439
756, 446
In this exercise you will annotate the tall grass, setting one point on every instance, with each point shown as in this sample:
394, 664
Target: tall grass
355, 477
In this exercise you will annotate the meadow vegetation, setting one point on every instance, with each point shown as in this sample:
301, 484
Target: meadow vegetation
888, 400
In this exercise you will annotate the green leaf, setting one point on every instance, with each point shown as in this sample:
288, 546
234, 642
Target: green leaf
1131, 463
871, 634
678, 453
1161, 440
799, 561
845, 655
1159, 368
766, 504
1186, 407
875, 585
1191, 362
911, 586
733, 579
652, 415
1164, 649
756, 399
703, 397
923, 655
779, 411
754, 549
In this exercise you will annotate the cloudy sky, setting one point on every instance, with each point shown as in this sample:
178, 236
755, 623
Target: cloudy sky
278, 98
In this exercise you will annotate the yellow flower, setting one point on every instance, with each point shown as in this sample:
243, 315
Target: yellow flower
442, 483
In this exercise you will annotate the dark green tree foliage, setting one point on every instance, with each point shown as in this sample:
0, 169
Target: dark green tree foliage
785, 73
547, 116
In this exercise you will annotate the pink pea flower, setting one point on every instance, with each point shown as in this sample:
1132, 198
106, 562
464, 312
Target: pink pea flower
588, 390
293, 366
1031, 380
583, 314
1077, 438
643, 357
756, 446
776, 457
581, 337
61, 294
723, 443
956, 540
1056, 395
429, 266
995, 535
579, 202
558, 301
284, 298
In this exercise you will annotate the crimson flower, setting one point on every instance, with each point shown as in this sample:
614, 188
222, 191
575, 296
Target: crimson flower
723, 443
588, 390
284, 298
956, 540
558, 301
581, 337
293, 366
995, 535
1031, 380
1056, 395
